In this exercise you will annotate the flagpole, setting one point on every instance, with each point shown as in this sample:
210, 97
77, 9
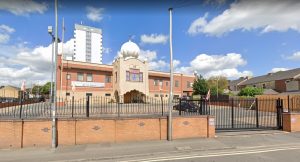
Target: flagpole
62, 55
171, 81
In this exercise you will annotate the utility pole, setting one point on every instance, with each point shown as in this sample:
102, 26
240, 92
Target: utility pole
171, 82
54, 135
52, 65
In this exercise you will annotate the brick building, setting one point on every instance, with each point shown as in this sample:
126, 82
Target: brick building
282, 81
128, 76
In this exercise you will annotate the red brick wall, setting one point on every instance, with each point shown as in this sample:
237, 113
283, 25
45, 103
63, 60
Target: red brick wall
182, 84
95, 131
291, 122
34, 133
10, 134
280, 85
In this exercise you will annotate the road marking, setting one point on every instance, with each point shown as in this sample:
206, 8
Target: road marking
232, 153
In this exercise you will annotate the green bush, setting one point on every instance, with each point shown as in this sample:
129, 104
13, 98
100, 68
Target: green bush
251, 91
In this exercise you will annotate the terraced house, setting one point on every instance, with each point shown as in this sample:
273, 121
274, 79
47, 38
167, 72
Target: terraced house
282, 81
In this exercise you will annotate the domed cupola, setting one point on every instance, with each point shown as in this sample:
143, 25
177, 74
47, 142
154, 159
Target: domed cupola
130, 49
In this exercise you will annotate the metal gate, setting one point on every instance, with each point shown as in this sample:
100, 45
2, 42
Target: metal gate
233, 114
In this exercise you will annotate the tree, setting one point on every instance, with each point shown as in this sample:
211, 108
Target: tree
251, 91
200, 86
46, 88
217, 81
36, 89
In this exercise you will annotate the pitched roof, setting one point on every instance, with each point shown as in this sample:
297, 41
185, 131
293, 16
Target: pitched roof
270, 92
281, 75
238, 81
9, 86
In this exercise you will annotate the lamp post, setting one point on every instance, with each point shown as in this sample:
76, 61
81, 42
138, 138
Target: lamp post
50, 31
171, 81
53, 75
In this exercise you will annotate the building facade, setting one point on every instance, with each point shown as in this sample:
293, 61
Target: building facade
128, 77
282, 81
87, 44
9, 92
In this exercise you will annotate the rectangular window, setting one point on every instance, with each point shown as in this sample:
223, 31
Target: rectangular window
167, 83
116, 77
160, 83
156, 82
68, 94
107, 79
68, 76
79, 76
89, 77
89, 94
134, 75
176, 83
188, 84
156, 95
264, 86
127, 76
141, 77
107, 94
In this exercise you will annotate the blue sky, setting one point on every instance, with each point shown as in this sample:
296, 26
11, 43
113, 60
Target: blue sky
212, 37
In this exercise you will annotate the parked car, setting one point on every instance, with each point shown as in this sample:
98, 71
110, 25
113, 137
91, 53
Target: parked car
187, 107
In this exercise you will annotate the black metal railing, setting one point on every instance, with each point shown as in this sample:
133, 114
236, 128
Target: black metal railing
248, 113
90, 106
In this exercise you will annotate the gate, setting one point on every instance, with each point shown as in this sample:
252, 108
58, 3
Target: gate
242, 113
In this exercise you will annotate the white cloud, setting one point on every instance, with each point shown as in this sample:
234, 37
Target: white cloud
107, 50
159, 65
5, 32
215, 2
153, 61
4, 38
204, 62
216, 65
154, 39
94, 14
246, 15
294, 57
5, 28
22, 7
148, 55
176, 63
32, 65
274, 70
196, 25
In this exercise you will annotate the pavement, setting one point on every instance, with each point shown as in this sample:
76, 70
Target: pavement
257, 145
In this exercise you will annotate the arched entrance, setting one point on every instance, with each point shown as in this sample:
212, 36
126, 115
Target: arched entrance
134, 96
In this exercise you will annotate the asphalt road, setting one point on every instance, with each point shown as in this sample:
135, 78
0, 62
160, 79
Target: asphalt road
249, 146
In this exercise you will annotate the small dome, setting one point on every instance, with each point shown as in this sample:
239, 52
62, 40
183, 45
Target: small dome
130, 49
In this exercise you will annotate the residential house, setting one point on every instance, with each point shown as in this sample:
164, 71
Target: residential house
282, 81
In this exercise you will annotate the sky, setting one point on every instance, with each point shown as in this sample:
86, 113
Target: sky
231, 38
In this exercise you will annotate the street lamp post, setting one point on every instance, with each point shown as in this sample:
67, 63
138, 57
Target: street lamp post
171, 81
54, 135
50, 31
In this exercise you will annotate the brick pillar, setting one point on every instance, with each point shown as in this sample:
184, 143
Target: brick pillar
291, 122
211, 127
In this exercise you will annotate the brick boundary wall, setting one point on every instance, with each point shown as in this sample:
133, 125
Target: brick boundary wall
291, 122
37, 133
